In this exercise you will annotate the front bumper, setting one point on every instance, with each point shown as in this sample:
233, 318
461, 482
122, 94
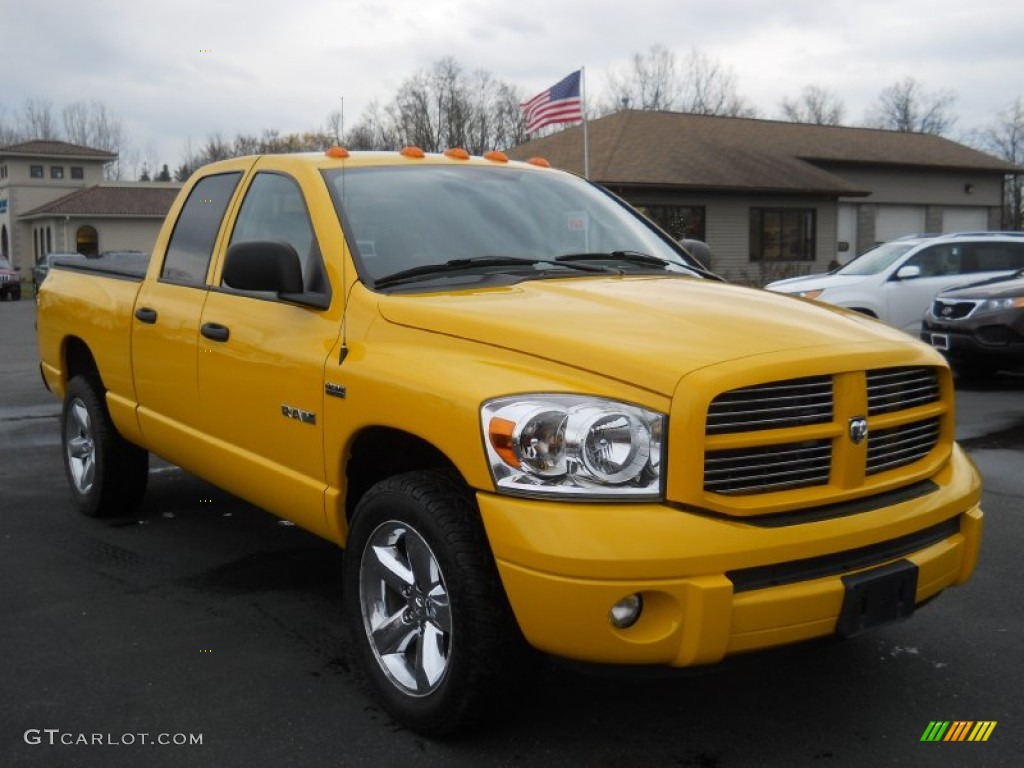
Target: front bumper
995, 338
564, 565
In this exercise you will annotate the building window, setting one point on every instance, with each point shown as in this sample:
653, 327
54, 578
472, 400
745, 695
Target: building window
680, 221
87, 241
35, 171
3, 171
782, 234
56, 172
77, 172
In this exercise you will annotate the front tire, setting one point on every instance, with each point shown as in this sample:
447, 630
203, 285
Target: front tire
107, 474
432, 625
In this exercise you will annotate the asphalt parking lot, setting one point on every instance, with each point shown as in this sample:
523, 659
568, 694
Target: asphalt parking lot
205, 617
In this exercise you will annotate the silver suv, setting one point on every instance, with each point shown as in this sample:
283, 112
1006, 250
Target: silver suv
897, 281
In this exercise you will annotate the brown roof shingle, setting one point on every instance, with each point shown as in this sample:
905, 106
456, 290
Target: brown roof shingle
102, 200
635, 147
50, 148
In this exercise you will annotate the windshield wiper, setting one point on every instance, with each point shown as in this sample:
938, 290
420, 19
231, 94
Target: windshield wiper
635, 257
457, 265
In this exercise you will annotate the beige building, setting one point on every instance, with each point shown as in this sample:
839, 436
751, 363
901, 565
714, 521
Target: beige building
773, 198
53, 199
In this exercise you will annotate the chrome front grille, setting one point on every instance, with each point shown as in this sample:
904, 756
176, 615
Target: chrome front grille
785, 435
778, 467
902, 445
897, 389
779, 404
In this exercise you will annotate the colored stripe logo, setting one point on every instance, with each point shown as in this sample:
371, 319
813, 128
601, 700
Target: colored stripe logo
958, 730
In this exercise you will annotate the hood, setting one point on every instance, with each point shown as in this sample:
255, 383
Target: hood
997, 288
813, 282
647, 331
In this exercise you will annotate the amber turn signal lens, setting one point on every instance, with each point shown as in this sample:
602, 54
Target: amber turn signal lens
500, 433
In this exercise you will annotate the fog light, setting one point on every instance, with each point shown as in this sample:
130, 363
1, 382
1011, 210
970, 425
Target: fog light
625, 613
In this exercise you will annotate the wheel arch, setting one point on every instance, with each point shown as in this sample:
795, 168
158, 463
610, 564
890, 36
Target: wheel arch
864, 311
377, 453
79, 361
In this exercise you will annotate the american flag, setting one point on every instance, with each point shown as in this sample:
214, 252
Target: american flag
558, 104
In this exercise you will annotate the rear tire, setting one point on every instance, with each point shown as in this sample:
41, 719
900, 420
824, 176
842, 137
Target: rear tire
432, 626
107, 474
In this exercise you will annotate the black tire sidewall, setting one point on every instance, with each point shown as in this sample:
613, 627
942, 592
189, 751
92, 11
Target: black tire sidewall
121, 468
79, 389
448, 707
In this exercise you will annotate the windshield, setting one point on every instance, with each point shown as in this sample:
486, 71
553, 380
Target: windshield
876, 260
400, 218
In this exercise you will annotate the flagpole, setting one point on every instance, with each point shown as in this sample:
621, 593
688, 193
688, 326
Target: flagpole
583, 111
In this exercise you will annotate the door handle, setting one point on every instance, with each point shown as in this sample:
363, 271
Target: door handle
215, 331
145, 315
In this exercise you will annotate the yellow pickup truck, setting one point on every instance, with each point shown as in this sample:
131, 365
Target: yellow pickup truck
532, 420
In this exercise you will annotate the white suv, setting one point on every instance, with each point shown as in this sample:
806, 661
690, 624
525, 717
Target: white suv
897, 281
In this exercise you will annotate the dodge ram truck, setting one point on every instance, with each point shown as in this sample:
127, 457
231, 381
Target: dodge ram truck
533, 422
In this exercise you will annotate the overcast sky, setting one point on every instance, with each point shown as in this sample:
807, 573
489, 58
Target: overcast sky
182, 69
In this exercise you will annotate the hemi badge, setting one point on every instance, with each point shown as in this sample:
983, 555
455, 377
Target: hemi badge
334, 390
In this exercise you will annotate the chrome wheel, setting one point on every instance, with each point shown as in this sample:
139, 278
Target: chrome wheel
80, 446
404, 602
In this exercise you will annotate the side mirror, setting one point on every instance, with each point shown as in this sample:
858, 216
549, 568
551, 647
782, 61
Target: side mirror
263, 265
908, 272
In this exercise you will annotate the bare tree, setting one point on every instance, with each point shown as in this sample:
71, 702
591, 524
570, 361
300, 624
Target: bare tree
373, 130
93, 125
653, 81
711, 89
443, 107
336, 124
8, 132
657, 80
815, 105
36, 120
1005, 138
906, 106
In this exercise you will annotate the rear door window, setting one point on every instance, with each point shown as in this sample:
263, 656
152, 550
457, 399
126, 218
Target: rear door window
996, 257
195, 233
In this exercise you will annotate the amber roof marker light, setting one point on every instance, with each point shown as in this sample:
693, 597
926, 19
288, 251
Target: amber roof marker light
339, 153
410, 151
496, 157
457, 153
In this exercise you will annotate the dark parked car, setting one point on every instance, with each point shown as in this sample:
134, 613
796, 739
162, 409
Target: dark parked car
979, 327
42, 267
10, 281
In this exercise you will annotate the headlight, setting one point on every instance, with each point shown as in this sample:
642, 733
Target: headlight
812, 294
1000, 305
549, 444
